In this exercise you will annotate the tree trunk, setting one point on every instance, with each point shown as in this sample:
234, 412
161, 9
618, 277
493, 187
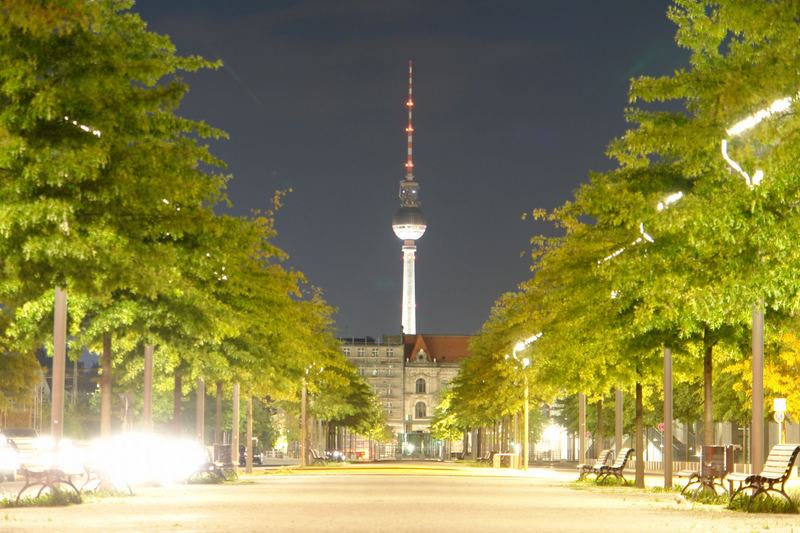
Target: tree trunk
687, 436
105, 388
708, 401
618, 420
218, 417
75, 383
599, 434
177, 393
474, 444
639, 438
147, 401
249, 446
200, 412
235, 427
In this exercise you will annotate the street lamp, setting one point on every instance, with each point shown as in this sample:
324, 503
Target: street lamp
779, 106
526, 362
779, 406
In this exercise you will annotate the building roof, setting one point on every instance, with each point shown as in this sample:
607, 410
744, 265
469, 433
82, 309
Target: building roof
442, 348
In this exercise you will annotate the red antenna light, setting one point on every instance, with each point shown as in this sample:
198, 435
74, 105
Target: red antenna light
410, 127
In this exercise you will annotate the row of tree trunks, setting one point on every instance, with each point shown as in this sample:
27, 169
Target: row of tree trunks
59, 372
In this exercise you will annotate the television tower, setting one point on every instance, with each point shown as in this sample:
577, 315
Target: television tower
408, 223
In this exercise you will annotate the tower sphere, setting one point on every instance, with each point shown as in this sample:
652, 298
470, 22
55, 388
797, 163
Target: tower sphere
409, 224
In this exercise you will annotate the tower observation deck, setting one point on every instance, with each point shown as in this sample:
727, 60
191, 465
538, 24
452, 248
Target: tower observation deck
408, 223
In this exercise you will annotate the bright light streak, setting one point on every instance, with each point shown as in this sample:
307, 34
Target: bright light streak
647, 237
551, 434
669, 200
751, 182
87, 129
778, 106
611, 256
9, 458
136, 458
524, 343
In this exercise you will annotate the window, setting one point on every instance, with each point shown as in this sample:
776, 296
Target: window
420, 386
360, 352
361, 370
375, 352
389, 352
374, 371
420, 410
346, 352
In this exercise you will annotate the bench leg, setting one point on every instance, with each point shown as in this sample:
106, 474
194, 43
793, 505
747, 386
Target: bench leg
782, 492
23, 489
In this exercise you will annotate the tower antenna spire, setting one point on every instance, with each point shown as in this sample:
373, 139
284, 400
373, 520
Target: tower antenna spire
410, 126
409, 223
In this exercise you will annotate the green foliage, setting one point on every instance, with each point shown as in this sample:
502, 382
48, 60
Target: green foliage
766, 503
107, 191
623, 278
53, 498
445, 424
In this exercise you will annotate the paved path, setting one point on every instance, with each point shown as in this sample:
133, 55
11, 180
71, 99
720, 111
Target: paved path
393, 499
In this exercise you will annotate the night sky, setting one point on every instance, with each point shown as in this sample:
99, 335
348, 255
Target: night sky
515, 102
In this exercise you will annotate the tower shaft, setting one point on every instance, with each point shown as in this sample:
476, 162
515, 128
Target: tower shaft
409, 223
409, 318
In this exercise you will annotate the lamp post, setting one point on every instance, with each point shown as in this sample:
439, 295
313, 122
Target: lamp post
779, 406
303, 436
526, 362
526, 442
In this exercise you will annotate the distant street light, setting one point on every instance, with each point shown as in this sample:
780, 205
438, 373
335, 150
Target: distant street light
526, 362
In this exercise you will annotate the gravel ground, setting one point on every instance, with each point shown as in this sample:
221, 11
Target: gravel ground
394, 498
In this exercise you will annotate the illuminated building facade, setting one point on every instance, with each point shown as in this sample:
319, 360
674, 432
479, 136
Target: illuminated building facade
409, 374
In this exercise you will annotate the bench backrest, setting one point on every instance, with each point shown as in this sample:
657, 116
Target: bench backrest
781, 459
716, 460
602, 459
622, 458
25, 447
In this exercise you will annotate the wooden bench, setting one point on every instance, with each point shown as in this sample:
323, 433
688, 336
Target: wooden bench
773, 476
219, 468
40, 467
488, 458
500, 458
98, 478
317, 458
586, 469
615, 469
716, 462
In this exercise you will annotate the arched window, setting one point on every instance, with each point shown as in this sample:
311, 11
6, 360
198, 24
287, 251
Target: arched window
420, 385
420, 409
